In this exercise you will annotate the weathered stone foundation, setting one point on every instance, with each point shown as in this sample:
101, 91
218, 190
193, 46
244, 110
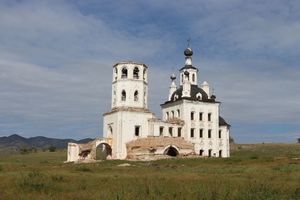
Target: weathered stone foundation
153, 148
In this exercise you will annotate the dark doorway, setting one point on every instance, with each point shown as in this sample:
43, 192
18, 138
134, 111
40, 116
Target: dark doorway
103, 151
171, 151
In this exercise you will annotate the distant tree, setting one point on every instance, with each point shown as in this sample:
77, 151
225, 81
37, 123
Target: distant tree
24, 151
298, 140
231, 140
52, 148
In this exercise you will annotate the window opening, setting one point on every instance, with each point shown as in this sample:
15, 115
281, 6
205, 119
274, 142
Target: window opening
179, 132
136, 96
136, 73
137, 131
124, 73
123, 98
192, 132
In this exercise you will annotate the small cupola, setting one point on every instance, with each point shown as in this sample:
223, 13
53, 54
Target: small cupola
188, 68
172, 86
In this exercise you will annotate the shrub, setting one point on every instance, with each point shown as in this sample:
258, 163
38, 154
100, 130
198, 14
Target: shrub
57, 178
298, 140
297, 193
28, 150
83, 169
24, 151
253, 157
52, 148
34, 181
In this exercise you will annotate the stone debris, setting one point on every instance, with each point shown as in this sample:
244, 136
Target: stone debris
124, 165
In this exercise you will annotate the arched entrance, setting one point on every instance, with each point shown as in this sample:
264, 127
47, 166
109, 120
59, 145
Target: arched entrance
171, 151
103, 151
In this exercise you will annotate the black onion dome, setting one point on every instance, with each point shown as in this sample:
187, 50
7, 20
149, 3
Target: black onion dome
177, 95
173, 77
188, 52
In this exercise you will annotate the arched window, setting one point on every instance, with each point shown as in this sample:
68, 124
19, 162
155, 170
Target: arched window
178, 113
173, 115
167, 115
136, 95
182, 78
123, 97
124, 72
193, 77
136, 73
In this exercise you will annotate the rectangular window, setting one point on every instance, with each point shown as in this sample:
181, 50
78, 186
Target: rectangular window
209, 117
171, 131
201, 133
179, 132
192, 132
161, 131
201, 116
137, 131
220, 133
209, 133
192, 115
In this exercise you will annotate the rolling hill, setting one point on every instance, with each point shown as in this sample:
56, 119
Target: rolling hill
17, 142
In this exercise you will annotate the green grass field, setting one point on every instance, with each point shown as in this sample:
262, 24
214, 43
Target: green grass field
262, 171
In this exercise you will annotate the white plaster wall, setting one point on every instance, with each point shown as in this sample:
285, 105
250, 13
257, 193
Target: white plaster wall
205, 143
154, 129
225, 147
124, 123
73, 152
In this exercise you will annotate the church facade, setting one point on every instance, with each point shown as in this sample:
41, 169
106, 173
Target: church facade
190, 124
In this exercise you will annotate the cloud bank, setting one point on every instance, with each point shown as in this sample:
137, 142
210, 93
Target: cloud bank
56, 59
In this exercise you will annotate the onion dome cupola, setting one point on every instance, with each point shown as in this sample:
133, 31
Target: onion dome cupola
172, 86
189, 88
188, 70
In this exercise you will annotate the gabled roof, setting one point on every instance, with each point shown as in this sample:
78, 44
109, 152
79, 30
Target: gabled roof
222, 122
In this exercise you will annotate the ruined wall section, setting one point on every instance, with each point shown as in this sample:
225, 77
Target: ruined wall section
152, 148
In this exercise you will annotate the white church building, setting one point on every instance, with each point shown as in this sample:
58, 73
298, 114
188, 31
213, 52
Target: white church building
190, 125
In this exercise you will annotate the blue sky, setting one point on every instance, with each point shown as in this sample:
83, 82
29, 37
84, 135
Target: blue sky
56, 61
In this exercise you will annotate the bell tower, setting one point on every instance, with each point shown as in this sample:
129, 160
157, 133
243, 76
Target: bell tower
130, 85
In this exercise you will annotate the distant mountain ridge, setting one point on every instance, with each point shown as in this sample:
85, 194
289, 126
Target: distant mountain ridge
17, 142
